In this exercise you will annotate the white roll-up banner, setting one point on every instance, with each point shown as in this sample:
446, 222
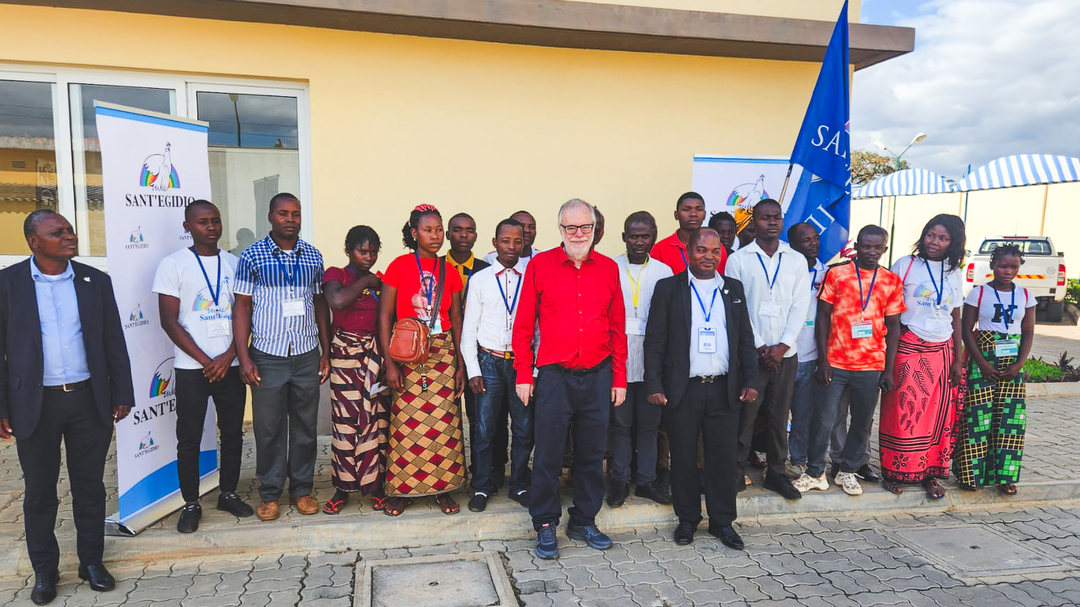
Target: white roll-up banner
152, 166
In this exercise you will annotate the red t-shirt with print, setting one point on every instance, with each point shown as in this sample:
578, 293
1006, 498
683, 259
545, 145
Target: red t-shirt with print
416, 295
841, 289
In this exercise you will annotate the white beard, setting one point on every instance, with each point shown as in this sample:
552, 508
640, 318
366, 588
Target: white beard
577, 251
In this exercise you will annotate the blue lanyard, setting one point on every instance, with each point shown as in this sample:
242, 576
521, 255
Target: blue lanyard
939, 290
296, 267
814, 279
708, 314
1007, 313
684, 260
370, 292
779, 260
506, 301
865, 302
429, 295
213, 294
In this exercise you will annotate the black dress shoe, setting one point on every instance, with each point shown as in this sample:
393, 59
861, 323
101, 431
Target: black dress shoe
44, 587
617, 493
653, 491
781, 484
684, 533
728, 536
189, 518
231, 503
867, 474
99, 577
478, 502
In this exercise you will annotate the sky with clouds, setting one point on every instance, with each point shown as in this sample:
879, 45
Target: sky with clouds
988, 78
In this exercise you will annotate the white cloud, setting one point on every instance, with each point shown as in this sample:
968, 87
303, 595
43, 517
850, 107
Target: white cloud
986, 79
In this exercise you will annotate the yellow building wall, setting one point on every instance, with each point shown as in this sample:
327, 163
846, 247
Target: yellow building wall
468, 126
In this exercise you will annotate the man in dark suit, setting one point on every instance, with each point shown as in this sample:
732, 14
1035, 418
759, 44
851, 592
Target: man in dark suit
64, 375
701, 364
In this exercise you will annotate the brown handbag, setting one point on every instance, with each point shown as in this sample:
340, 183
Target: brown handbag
409, 339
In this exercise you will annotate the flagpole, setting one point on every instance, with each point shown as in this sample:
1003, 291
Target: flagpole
787, 178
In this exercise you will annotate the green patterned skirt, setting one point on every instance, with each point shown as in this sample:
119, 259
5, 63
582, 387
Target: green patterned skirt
990, 439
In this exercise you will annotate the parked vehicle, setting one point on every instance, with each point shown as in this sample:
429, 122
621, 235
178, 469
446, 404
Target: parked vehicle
1043, 272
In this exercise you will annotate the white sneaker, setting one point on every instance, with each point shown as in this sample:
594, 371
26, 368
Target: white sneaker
806, 482
795, 471
848, 482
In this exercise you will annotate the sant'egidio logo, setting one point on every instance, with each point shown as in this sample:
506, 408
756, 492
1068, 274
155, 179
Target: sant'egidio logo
162, 382
136, 240
146, 445
136, 318
158, 172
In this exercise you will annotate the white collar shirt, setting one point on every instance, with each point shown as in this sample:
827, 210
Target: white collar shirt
777, 292
715, 363
638, 283
488, 322
806, 341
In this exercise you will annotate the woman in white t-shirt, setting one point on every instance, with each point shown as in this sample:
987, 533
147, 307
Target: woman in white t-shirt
918, 417
992, 425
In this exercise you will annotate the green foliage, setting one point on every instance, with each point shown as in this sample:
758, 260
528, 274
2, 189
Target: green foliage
1037, 371
867, 166
1072, 292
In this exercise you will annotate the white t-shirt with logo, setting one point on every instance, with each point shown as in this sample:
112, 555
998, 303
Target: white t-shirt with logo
991, 308
806, 343
180, 276
924, 281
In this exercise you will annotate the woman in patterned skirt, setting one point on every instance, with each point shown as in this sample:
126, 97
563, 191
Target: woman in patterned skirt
991, 441
427, 454
918, 417
360, 418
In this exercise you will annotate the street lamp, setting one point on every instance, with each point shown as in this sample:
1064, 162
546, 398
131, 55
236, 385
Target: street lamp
881, 146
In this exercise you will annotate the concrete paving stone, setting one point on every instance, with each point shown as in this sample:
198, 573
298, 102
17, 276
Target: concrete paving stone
117, 595
639, 552
333, 558
779, 603
579, 579
538, 599
224, 566
823, 562
914, 583
285, 599
670, 551
918, 598
860, 558
814, 601
653, 578
434, 550
840, 600
1038, 592
635, 567
168, 582
345, 601
604, 575
880, 598
772, 588
565, 597
272, 585
750, 572
1017, 595
557, 586
531, 587
493, 546
789, 580
204, 585
255, 599
901, 573
233, 582
843, 582
324, 592
702, 569
318, 576
845, 540
521, 561
571, 549
863, 579
649, 534
259, 575
266, 561
617, 555
210, 601
794, 544
469, 546
602, 594
772, 545
678, 571
968, 596
397, 553
342, 575
540, 575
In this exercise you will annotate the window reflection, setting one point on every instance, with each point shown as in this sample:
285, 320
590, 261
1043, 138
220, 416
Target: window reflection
27, 158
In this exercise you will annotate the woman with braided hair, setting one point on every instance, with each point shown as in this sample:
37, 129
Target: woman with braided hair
991, 432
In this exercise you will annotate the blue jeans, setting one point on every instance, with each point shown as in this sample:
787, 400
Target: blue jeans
862, 387
499, 377
807, 397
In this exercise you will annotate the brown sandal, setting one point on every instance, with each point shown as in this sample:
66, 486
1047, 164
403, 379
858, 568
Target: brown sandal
895, 487
447, 504
396, 505
934, 490
1008, 489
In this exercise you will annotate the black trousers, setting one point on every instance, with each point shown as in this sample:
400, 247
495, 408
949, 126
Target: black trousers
73, 418
563, 399
192, 392
774, 405
704, 409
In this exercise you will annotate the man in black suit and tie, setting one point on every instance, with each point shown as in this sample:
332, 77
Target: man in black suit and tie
64, 375
700, 363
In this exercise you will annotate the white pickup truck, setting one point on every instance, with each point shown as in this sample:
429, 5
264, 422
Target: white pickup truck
1043, 272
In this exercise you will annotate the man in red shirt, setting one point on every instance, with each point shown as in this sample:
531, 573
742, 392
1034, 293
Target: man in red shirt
573, 293
690, 213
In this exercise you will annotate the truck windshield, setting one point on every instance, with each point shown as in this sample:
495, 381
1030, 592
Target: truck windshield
1028, 247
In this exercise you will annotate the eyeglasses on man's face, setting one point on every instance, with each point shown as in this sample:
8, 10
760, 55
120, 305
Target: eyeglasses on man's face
585, 228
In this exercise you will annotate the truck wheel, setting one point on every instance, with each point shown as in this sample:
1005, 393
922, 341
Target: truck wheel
1055, 310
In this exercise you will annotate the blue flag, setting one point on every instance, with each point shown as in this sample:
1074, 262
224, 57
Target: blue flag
822, 197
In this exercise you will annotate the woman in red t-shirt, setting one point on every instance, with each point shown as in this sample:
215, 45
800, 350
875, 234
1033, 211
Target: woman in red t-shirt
359, 418
426, 442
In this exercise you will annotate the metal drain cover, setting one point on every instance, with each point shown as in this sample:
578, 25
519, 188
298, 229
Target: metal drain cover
977, 551
456, 580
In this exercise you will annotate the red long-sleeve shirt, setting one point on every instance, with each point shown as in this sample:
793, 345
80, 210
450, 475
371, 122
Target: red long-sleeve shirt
581, 315
671, 251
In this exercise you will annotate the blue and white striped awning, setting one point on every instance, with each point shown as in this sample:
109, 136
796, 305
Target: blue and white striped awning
907, 182
1024, 169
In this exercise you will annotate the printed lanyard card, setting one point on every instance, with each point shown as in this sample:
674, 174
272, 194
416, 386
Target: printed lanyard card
220, 327
862, 330
292, 307
706, 341
508, 337
635, 325
770, 309
1006, 347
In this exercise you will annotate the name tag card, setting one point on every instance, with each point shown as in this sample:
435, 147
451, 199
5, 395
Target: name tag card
508, 338
292, 307
939, 323
1006, 347
219, 328
706, 341
862, 330
635, 325
770, 309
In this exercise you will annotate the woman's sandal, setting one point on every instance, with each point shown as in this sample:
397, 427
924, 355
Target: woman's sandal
893, 487
1008, 489
334, 506
378, 502
934, 490
396, 505
447, 504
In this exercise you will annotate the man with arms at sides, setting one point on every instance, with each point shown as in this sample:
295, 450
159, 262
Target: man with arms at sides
487, 348
195, 300
725, 226
638, 276
574, 294
858, 330
528, 250
690, 213
701, 364
280, 308
64, 375
778, 293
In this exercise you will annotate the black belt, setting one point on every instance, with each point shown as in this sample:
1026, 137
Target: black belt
79, 385
708, 379
581, 372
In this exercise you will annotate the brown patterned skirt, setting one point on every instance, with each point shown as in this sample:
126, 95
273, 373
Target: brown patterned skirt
360, 419
427, 455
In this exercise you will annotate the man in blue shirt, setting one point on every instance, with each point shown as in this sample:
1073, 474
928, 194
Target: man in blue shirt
64, 376
280, 309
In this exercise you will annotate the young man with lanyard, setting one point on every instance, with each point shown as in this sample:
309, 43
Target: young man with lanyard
280, 308
808, 397
195, 302
528, 250
487, 348
690, 213
858, 329
777, 293
638, 276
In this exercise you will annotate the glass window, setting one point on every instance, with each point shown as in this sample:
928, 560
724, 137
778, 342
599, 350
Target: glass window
86, 152
253, 155
27, 158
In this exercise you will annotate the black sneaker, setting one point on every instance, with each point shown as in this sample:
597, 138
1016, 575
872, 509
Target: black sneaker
591, 534
547, 547
653, 491
478, 502
189, 518
617, 493
867, 474
781, 484
520, 496
231, 503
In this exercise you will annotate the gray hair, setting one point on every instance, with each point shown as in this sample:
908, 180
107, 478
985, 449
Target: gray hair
32, 220
579, 203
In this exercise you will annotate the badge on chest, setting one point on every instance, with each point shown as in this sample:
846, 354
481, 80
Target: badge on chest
292, 307
862, 330
706, 340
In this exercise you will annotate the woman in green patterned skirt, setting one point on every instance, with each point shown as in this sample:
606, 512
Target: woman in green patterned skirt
990, 440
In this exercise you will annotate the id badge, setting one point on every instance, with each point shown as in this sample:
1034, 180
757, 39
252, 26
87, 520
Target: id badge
940, 324
1006, 347
770, 309
219, 328
862, 330
292, 307
706, 341
508, 337
809, 322
635, 325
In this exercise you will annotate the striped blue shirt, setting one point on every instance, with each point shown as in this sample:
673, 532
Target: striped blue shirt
273, 276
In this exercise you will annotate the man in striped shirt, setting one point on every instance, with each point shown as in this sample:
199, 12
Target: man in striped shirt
279, 306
